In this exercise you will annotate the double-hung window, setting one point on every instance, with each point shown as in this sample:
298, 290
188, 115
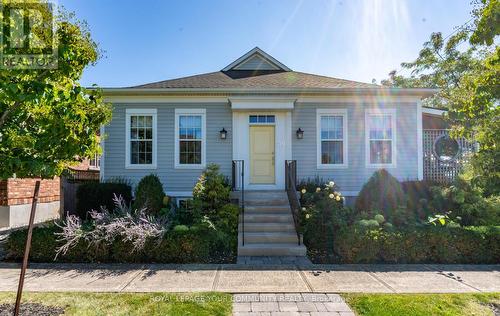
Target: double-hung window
332, 138
381, 134
140, 129
190, 138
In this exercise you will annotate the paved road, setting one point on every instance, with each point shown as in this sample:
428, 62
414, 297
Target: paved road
254, 279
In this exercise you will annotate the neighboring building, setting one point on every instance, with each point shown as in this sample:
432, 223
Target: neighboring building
16, 196
336, 129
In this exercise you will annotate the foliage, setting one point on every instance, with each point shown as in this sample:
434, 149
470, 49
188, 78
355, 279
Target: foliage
465, 68
311, 184
94, 195
382, 193
181, 244
422, 304
466, 204
418, 195
149, 194
106, 227
322, 215
211, 192
486, 21
425, 244
211, 202
46, 118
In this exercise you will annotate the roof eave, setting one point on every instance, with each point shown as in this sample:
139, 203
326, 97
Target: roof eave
418, 92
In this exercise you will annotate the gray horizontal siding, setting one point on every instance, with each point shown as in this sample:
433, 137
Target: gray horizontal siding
218, 151
356, 174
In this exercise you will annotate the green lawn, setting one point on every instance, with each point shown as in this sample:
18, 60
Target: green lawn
422, 304
130, 303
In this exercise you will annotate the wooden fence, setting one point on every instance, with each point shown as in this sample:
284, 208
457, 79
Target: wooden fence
70, 181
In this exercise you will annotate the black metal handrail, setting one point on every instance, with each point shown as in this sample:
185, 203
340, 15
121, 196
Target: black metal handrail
291, 191
238, 184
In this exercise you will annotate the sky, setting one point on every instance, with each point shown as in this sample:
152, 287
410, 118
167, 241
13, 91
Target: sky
146, 41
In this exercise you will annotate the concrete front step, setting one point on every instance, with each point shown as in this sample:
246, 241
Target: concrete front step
266, 202
272, 249
268, 218
268, 209
269, 237
268, 227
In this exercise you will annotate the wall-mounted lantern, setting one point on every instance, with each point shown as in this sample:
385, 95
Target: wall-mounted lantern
223, 133
300, 133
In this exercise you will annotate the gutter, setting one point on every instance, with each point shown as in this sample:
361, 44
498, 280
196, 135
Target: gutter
421, 92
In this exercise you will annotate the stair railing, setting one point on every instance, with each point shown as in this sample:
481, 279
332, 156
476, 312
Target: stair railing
291, 191
238, 184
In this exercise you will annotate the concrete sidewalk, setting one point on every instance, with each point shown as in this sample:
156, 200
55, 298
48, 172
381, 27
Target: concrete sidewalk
254, 279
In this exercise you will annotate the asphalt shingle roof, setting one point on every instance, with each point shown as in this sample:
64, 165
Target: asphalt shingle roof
253, 79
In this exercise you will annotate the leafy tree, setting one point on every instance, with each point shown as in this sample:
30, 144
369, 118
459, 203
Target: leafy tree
46, 118
465, 67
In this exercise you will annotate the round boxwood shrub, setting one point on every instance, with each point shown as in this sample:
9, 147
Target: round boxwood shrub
149, 194
382, 193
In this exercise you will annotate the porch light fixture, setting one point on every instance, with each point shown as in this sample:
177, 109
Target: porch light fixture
300, 133
223, 133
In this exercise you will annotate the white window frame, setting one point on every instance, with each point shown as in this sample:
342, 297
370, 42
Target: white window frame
345, 147
380, 112
203, 114
138, 112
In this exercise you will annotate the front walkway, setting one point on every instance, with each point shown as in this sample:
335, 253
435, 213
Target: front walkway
290, 304
254, 279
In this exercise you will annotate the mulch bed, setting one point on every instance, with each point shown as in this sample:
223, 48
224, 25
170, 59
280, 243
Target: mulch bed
31, 309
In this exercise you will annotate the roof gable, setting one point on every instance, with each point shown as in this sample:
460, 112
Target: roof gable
256, 59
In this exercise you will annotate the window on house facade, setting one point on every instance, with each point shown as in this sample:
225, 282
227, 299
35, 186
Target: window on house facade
141, 134
332, 138
95, 162
380, 129
190, 137
262, 119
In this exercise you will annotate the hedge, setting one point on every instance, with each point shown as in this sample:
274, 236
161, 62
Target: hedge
93, 195
192, 245
427, 244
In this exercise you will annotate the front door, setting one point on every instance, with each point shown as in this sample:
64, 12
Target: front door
262, 154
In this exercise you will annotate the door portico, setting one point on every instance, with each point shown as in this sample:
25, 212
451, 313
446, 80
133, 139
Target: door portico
264, 169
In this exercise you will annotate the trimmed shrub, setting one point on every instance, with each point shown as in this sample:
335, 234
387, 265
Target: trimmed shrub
149, 194
43, 244
93, 195
427, 244
382, 193
182, 244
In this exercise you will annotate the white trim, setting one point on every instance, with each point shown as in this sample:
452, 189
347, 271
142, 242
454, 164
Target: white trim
146, 112
392, 113
252, 52
435, 112
283, 145
420, 142
261, 105
102, 143
197, 112
332, 112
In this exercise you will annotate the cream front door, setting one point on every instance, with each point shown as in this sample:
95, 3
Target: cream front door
262, 154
